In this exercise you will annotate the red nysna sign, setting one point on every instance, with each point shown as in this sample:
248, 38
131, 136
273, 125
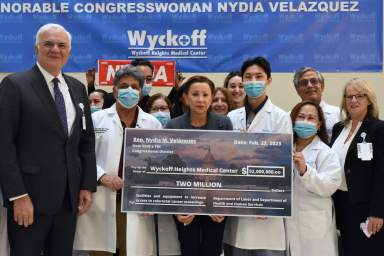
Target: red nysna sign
164, 74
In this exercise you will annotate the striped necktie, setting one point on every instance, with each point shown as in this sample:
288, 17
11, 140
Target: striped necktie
60, 104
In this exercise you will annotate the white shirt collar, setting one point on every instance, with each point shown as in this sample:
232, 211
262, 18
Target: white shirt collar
322, 104
48, 77
268, 106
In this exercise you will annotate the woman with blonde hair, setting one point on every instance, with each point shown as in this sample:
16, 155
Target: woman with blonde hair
359, 142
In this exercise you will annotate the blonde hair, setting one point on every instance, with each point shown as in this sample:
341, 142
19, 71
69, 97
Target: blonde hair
362, 87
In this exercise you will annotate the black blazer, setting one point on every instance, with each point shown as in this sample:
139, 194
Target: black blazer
36, 155
365, 179
215, 122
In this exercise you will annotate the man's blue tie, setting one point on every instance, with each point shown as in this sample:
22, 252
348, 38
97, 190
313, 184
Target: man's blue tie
60, 104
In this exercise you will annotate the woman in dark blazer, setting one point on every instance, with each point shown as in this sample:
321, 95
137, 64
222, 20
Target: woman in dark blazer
359, 142
200, 235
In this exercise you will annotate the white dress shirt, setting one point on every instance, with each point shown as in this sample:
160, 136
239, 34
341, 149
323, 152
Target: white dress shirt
331, 115
63, 87
341, 146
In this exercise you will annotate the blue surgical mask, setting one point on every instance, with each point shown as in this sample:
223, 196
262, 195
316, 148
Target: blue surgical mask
95, 108
128, 97
163, 117
304, 129
146, 89
254, 89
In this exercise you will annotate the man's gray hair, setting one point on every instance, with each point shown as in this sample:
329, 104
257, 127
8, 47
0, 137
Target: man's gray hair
299, 73
52, 26
129, 70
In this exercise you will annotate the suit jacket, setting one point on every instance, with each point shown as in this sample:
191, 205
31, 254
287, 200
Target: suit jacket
365, 179
37, 157
214, 122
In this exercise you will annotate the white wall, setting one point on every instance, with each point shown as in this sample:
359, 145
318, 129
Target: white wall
282, 91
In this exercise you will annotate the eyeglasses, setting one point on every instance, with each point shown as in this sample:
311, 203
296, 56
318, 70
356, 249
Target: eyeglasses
305, 82
358, 97
50, 45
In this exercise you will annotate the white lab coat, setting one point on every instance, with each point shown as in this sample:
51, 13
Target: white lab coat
331, 115
312, 229
248, 232
4, 246
96, 230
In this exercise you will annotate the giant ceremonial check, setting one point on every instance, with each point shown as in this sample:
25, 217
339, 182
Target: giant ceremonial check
207, 172
202, 35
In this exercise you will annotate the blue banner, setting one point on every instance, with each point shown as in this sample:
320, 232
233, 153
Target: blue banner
202, 36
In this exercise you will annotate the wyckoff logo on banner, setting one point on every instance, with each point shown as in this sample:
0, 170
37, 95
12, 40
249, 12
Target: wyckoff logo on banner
168, 45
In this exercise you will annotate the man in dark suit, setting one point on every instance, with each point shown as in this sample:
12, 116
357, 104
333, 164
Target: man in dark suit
47, 164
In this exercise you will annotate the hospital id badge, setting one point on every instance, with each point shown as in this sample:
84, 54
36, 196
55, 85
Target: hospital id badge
365, 151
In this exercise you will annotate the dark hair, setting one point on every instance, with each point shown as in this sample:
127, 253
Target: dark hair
177, 108
131, 71
229, 76
198, 79
103, 93
142, 62
155, 97
109, 100
259, 61
322, 132
226, 95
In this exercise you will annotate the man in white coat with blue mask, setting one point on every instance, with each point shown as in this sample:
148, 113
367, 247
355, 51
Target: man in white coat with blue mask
253, 236
104, 228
